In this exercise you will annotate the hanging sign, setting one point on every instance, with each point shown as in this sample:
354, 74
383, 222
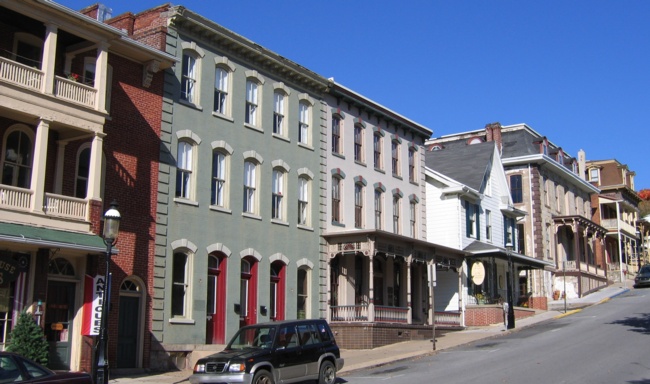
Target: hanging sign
478, 273
94, 289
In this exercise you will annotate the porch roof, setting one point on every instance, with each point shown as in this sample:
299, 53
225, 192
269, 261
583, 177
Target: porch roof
478, 250
41, 236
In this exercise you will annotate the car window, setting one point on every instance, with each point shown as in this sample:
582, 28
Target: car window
324, 332
252, 337
645, 269
35, 370
9, 371
287, 337
308, 334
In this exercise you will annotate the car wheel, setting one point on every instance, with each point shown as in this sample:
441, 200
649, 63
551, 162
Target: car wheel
327, 374
262, 377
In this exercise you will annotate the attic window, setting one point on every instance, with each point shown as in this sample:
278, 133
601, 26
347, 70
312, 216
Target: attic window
435, 147
594, 174
474, 140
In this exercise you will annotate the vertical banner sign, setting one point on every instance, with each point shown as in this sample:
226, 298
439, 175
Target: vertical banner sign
94, 293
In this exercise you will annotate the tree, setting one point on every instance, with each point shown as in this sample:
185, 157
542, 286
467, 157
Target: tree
27, 339
644, 205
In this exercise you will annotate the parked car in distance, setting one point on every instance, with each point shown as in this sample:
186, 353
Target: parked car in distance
15, 368
287, 351
642, 278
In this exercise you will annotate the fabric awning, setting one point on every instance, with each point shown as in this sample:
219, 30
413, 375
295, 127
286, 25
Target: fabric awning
48, 237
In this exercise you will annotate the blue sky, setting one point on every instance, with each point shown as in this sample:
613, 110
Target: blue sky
575, 71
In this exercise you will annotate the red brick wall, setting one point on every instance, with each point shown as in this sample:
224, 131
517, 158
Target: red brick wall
373, 335
488, 315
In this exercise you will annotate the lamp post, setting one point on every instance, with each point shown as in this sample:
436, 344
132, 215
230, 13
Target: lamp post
111, 229
511, 308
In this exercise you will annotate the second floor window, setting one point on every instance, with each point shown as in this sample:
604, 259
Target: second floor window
249, 186
378, 209
17, 160
377, 150
516, 190
336, 199
218, 179
412, 213
488, 225
358, 205
277, 195
412, 165
188, 79
303, 123
358, 143
395, 157
303, 200
396, 213
184, 162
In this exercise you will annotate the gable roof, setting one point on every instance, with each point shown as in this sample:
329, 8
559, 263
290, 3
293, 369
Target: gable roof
464, 163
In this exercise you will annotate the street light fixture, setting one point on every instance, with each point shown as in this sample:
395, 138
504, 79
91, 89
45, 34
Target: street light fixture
111, 229
511, 308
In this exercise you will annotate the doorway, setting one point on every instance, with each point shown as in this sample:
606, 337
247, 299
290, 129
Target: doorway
58, 322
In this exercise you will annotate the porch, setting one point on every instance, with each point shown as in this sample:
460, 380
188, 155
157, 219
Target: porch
389, 315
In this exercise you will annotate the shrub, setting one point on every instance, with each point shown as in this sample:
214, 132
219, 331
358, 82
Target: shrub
27, 339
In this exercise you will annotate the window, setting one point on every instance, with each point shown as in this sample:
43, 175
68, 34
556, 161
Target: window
278, 113
180, 276
358, 143
303, 201
358, 205
28, 49
412, 178
336, 199
520, 239
378, 209
90, 64
395, 157
189, 77
396, 213
488, 224
250, 182
277, 205
412, 214
594, 175
516, 190
509, 225
276, 291
376, 137
251, 102
221, 77
302, 293
471, 220
83, 171
303, 123
184, 174
17, 160
218, 187
336, 134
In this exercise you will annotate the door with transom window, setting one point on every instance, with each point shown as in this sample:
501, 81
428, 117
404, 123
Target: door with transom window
216, 305
248, 292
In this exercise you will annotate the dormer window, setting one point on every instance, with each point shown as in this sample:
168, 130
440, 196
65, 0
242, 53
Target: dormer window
435, 147
594, 175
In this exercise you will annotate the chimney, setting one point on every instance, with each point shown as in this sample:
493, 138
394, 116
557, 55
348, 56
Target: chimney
493, 133
582, 164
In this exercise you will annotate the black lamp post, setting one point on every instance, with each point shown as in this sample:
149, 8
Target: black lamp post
511, 308
111, 229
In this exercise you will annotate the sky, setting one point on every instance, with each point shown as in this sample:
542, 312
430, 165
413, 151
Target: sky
577, 72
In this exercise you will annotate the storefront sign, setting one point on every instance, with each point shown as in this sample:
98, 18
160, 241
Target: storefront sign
94, 290
8, 270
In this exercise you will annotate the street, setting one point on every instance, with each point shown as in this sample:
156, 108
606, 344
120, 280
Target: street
606, 343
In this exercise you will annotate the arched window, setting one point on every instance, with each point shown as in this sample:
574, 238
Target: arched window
18, 157
83, 171
358, 205
277, 198
303, 201
279, 113
218, 185
60, 266
252, 102
336, 199
379, 215
189, 77
376, 138
184, 170
304, 126
180, 283
396, 213
221, 95
250, 187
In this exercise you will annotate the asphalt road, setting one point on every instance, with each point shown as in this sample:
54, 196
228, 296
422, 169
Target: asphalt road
606, 343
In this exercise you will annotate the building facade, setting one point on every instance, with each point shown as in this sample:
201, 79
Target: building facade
80, 104
545, 182
239, 192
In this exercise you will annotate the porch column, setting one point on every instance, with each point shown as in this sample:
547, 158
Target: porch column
49, 56
585, 245
95, 171
371, 284
409, 302
576, 250
101, 70
58, 171
431, 272
37, 184
328, 285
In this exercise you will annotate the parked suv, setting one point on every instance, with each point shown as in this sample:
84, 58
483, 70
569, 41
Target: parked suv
286, 351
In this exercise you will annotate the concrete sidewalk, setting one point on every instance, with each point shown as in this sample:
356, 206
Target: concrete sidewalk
358, 359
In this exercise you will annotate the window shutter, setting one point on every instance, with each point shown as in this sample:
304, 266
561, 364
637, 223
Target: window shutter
478, 222
468, 229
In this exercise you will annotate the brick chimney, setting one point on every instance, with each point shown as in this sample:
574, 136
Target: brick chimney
493, 133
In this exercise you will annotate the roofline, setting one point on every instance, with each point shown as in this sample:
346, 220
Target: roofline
337, 88
543, 159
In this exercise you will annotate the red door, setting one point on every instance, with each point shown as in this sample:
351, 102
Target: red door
215, 322
248, 292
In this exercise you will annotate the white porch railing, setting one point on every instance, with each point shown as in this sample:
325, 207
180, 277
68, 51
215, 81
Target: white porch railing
20, 74
65, 206
384, 314
76, 92
16, 198
350, 313
451, 319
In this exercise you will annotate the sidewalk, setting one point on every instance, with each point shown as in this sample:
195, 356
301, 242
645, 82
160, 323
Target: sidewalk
358, 359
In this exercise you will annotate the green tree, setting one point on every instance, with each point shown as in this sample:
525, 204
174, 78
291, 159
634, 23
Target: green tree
644, 205
27, 339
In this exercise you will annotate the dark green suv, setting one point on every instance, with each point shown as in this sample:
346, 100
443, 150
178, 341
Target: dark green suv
286, 351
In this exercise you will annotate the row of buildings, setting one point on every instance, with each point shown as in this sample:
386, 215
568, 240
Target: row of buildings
252, 189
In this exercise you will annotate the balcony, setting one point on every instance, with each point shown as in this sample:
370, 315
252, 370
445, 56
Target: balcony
612, 226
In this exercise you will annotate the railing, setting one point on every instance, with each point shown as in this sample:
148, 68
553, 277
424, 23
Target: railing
450, 319
570, 264
384, 314
16, 198
20, 74
76, 92
350, 313
65, 206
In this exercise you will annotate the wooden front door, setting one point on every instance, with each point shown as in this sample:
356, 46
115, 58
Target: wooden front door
127, 334
216, 309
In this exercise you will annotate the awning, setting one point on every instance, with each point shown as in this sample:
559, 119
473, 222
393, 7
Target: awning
481, 250
48, 237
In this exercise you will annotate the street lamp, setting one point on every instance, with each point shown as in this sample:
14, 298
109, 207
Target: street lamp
111, 229
511, 308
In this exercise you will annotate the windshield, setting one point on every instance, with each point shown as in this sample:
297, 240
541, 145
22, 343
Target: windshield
645, 269
252, 337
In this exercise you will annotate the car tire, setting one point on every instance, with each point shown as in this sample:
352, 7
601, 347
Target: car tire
327, 373
262, 377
